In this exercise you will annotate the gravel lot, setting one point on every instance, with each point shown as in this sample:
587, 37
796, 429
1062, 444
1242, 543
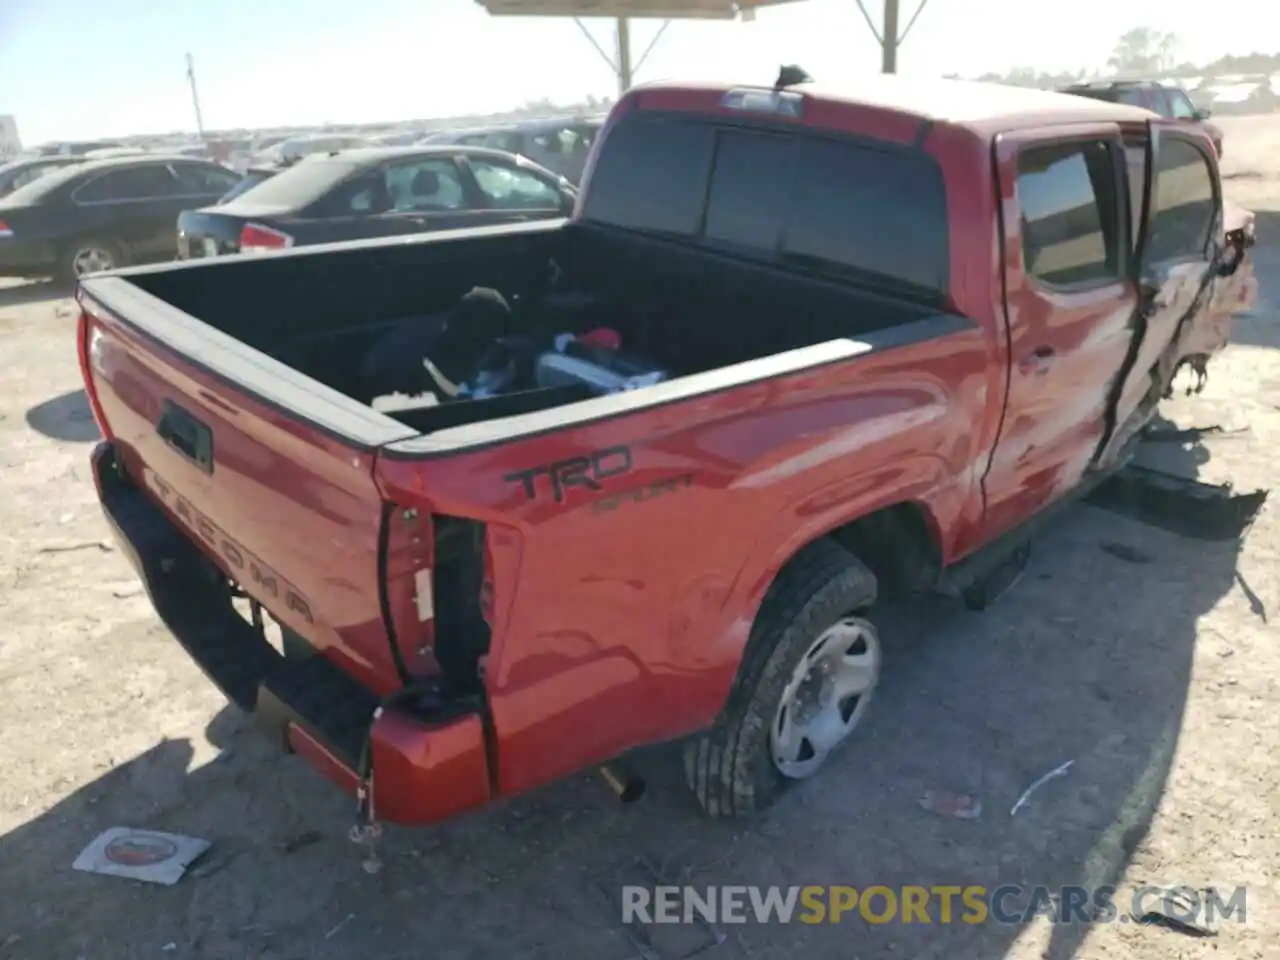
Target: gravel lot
1157, 674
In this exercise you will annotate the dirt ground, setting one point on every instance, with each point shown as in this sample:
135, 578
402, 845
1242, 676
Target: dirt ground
1155, 671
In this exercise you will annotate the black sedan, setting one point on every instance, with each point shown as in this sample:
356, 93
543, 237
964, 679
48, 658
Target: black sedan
103, 214
19, 173
359, 194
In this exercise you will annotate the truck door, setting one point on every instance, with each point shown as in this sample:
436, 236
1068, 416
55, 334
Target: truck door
1069, 300
1177, 210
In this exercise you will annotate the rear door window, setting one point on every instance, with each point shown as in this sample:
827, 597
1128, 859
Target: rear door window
1069, 214
199, 181
134, 183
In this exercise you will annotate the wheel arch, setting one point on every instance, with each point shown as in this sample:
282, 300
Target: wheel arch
900, 542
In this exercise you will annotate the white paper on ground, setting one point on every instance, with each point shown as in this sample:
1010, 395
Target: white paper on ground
145, 855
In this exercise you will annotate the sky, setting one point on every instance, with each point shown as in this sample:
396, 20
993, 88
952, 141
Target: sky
85, 68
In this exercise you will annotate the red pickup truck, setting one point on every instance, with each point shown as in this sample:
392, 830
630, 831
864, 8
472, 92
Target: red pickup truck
797, 353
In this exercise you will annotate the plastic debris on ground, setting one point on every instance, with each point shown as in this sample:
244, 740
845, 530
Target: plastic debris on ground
959, 806
1180, 910
146, 855
1026, 794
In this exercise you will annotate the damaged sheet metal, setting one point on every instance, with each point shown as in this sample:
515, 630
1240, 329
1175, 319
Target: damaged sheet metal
1181, 505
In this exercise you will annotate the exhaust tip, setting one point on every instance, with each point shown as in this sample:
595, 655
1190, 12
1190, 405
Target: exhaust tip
626, 785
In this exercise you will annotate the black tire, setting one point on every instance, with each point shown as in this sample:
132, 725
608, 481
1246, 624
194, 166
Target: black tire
730, 767
67, 258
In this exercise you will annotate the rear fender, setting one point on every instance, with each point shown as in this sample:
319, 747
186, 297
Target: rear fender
924, 480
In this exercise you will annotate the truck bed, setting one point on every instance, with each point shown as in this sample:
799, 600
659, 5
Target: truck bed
319, 312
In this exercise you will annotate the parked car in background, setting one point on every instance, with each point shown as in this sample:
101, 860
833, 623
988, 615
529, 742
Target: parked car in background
251, 178
295, 148
76, 148
376, 192
108, 153
102, 214
1168, 100
256, 152
21, 172
403, 138
558, 145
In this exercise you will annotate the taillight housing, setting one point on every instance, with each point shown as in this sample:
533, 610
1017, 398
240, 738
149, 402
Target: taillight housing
256, 238
88, 334
4, 230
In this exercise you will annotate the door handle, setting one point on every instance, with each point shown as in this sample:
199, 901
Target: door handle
1037, 361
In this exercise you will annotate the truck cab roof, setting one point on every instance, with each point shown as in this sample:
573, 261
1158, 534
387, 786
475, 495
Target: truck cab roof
983, 108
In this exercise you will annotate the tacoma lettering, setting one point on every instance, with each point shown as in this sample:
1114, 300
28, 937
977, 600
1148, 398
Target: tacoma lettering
246, 566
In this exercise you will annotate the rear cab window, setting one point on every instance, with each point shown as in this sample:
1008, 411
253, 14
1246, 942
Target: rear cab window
868, 211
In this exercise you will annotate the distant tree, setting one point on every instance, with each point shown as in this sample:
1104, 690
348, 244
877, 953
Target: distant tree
1144, 51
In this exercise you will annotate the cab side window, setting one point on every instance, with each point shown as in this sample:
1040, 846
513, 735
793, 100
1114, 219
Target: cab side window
1071, 228
426, 185
1186, 202
131, 184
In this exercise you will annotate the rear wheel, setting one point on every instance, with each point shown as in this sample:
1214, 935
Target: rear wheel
806, 681
90, 255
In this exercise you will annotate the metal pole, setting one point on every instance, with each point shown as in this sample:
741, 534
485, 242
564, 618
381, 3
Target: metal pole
889, 41
623, 61
195, 97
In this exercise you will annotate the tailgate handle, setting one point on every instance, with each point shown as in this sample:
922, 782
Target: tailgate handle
187, 435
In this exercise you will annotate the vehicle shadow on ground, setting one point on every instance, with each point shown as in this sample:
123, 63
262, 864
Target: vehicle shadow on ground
65, 417
1258, 327
1087, 659
28, 293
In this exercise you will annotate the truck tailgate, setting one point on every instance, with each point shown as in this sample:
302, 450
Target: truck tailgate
280, 495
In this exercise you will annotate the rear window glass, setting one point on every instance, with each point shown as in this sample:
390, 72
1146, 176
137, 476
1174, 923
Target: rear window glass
750, 191
37, 189
652, 175
247, 182
301, 185
832, 206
